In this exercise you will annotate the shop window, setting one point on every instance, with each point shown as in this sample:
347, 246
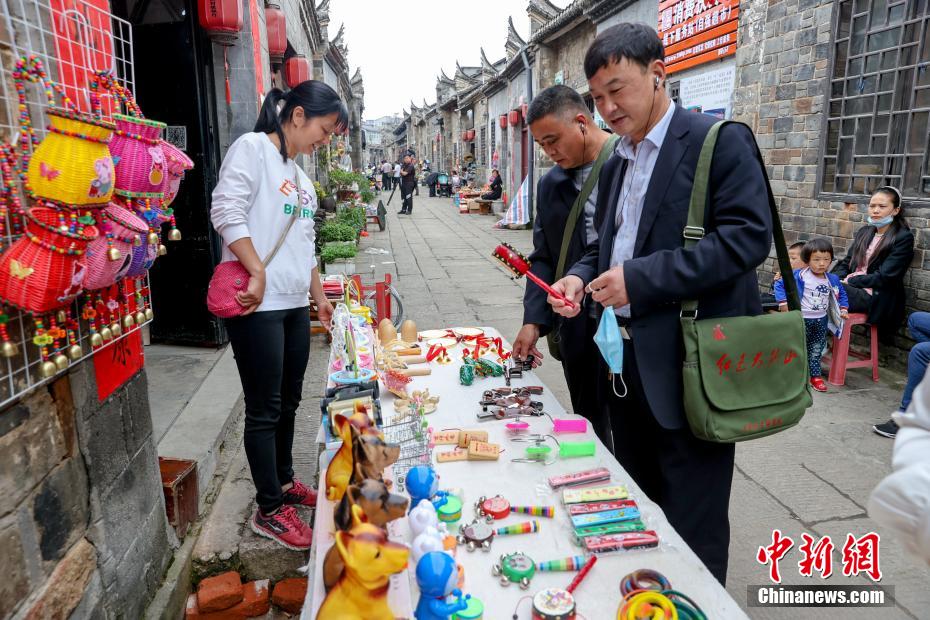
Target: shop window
877, 131
674, 91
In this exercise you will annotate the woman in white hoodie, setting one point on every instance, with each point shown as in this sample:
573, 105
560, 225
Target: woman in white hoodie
260, 189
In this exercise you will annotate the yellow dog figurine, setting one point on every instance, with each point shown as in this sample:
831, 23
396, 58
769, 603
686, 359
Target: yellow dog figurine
370, 560
343, 463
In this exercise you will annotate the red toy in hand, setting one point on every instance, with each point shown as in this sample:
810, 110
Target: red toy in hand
517, 263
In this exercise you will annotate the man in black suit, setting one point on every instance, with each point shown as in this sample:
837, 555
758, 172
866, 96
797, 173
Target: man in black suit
562, 126
640, 273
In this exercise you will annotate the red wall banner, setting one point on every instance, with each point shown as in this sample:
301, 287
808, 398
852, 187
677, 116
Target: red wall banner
116, 364
83, 44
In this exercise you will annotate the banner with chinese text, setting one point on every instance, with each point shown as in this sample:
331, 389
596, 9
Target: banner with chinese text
697, 31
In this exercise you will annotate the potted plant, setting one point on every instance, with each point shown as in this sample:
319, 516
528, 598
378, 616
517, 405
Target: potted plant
327, 202
335, 256
344, 184
335, 230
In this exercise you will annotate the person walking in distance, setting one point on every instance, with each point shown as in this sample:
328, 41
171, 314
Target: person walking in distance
263, 200
408, 176
639, 272
386, 170
396, 174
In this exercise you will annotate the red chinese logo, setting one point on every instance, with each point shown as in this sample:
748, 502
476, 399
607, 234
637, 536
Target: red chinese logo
817, 557
860, 555
774, 553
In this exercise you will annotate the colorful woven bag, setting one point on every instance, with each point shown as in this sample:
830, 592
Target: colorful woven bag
178, 163
71, 166
43, 269
139, 159
143, 257
111, 253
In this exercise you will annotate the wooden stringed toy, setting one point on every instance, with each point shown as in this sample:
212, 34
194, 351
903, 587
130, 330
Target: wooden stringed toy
516, 263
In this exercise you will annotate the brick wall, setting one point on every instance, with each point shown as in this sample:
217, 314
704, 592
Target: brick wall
783, 59
82, 518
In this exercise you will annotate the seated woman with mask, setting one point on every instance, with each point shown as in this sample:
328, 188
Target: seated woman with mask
874, 267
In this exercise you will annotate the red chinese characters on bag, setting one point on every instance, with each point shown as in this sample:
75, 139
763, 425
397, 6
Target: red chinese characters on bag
760, 359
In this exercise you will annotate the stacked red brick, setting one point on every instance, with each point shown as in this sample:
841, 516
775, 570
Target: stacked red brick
225, 597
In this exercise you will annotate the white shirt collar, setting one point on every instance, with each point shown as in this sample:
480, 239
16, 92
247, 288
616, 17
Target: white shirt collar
655, 137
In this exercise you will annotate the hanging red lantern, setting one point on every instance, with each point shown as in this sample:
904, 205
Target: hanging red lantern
503, 121
276, 30
514, 117
296, 70
222, 19
464, 136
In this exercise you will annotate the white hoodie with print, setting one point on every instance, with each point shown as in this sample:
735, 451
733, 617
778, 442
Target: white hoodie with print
255, 197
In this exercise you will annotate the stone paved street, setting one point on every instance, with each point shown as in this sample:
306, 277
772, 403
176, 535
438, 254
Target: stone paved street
815, 478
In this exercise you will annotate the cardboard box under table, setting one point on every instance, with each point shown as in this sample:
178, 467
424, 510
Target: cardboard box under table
598, 596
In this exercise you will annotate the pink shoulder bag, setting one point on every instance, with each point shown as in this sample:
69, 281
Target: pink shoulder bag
231, 277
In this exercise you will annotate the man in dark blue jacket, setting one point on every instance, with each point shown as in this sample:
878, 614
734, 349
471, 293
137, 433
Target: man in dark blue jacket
640, 273
562, 125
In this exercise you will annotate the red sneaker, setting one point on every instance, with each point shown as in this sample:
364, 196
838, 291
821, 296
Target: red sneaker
284, 527
818, 384
300, 495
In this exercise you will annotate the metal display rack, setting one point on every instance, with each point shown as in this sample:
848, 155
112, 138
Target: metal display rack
73, 39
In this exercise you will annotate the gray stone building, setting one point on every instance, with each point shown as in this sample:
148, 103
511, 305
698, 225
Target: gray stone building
838, 94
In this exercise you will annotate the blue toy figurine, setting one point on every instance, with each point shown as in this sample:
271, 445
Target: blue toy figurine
423, 483
436, 577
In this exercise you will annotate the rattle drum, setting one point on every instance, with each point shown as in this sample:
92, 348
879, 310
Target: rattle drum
553, 604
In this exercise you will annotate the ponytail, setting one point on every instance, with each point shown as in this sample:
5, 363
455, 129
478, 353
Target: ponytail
268, 119
316, 98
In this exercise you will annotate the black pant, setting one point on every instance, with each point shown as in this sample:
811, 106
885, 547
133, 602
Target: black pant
396, 181
406, 192
490, 196
581, 376
688, 478
859, 299
385, 180
272, 350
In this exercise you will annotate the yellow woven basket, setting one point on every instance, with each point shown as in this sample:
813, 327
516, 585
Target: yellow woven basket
72, 165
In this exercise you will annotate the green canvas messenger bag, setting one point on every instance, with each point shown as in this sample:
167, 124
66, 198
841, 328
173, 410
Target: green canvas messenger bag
744, 377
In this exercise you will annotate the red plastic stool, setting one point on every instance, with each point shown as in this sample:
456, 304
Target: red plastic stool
839, 360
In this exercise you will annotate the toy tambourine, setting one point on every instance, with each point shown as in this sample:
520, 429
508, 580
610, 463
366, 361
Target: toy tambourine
558, 604
479, 534
497, 507
519, 568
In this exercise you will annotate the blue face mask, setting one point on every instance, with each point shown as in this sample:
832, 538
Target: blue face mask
610, 343
881, 222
